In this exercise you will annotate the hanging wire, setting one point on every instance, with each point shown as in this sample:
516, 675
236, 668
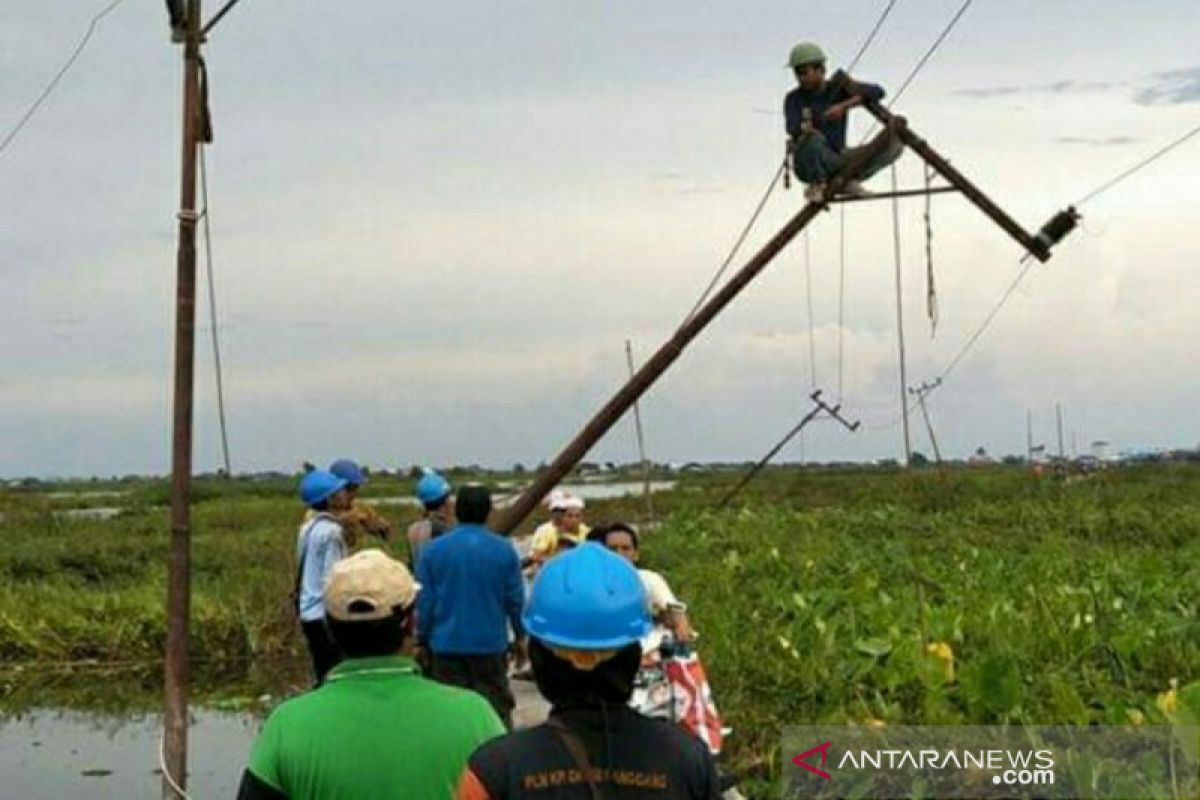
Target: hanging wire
931, 299
812, 340
212, 313
58, 76
841, 352
922, 62
1104, 187
737, 245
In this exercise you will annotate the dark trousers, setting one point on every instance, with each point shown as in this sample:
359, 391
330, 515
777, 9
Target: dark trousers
321, 647
487, 675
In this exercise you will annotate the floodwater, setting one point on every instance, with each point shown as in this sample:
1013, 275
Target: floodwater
59, 754
588, 491
48, 753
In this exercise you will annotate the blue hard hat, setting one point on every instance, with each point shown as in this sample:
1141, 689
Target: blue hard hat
348, 471
589, 599
432, 488
318, 486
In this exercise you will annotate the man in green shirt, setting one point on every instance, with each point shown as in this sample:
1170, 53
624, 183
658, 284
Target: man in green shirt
375, 730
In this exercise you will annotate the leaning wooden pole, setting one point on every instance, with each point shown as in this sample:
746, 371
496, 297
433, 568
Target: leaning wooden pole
175, 717
666, 355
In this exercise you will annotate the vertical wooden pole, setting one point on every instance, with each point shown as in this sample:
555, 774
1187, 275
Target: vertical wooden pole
175, 718
900, 324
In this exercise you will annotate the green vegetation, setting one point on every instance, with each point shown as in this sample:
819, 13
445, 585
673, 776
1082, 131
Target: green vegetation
822, 596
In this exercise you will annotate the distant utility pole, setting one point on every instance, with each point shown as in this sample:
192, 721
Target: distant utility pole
641, 440
1062, 454
1029, 435
921, 392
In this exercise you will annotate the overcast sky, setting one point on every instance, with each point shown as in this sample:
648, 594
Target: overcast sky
435, 225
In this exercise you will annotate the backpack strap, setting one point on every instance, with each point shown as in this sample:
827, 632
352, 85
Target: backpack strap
574, 745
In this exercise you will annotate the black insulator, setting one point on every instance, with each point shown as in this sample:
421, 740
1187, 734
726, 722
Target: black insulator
1058, 227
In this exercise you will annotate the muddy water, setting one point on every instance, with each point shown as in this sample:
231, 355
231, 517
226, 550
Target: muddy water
48, 753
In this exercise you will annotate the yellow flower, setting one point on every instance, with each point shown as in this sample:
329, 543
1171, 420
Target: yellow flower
874, 724
944, 653
1168, 701
1135, 717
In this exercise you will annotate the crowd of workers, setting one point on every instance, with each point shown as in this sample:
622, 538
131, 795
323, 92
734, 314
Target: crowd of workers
413, 697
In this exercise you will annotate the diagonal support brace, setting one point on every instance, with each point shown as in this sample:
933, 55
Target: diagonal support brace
1035, 246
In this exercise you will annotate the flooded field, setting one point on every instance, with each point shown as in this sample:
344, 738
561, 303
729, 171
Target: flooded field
51, 753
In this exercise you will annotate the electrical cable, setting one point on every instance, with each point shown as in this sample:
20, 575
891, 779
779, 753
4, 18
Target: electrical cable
58, 76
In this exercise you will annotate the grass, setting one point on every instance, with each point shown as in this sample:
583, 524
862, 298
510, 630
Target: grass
822, 596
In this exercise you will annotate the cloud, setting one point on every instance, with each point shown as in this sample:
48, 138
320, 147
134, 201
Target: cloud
1106, 141
1055, 87
1174, 87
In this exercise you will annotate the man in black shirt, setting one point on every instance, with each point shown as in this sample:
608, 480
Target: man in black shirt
586, 615
816, 113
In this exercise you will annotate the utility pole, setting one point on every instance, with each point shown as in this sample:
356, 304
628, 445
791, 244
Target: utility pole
1029, 435
606, 416
1062, 455
175, 692
641, 441
921, 392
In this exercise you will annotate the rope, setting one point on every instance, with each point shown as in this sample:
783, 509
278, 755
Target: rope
166, 773
1137, 167
812, 343
931, 300
871, 36
737, 245
58, 76
212, 314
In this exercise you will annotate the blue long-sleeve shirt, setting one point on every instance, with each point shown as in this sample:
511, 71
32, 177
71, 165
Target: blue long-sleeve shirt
319, 545
834, 91
470, 588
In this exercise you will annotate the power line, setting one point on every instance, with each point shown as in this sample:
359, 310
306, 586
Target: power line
737, 245
871, 36
1139, 166
212, 314
58, 76
929, 53
916, 70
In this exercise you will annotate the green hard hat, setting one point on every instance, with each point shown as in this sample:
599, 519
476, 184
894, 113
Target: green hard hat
806, 53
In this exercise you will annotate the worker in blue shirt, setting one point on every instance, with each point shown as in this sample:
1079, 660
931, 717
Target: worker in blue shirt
816, 113
471, 592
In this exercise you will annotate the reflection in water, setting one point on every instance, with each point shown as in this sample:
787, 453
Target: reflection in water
588, 491
48, 753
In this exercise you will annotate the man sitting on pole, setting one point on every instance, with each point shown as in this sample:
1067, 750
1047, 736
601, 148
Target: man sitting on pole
816, 113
